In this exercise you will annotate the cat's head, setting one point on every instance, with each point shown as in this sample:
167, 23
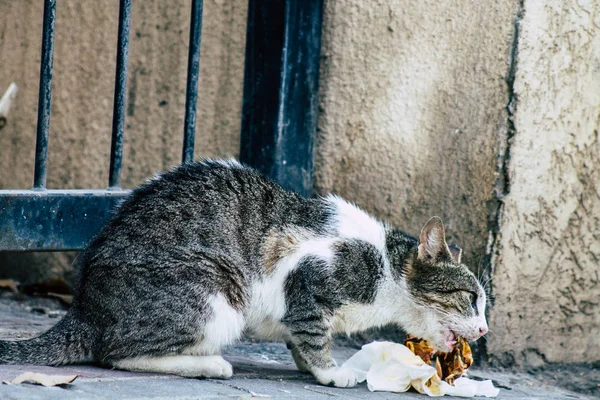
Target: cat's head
448, 300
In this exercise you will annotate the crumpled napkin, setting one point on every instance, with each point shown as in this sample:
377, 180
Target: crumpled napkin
392, 367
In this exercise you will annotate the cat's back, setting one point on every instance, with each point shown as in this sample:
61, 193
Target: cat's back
216, 205
207, 183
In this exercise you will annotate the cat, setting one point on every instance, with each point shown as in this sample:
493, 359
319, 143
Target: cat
199, 255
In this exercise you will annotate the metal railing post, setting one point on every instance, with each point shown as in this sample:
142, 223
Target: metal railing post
118, 123
191, 92
45, 95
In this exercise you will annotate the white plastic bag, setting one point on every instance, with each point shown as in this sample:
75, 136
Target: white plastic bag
392, 367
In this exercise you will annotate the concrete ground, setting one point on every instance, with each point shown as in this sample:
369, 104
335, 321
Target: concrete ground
261, 370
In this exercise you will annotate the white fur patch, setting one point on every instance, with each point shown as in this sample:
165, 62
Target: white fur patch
339, 377
391, 305
354, 223
267, 305
480, 321
189, 366
229, 162
156, 177
224, 328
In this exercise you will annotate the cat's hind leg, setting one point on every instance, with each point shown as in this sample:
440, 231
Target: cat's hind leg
224, 327
182, 365
201, 358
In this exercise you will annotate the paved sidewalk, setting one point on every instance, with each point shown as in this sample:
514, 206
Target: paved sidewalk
261, 370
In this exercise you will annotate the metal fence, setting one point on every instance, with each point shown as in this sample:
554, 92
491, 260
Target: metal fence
279, 115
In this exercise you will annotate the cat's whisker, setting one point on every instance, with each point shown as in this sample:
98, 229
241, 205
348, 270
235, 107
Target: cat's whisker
491, 332
480, 270
487, 282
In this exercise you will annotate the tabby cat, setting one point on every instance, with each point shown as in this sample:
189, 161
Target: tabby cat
209, 250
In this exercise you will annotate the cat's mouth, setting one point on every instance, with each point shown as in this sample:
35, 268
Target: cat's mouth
450, 339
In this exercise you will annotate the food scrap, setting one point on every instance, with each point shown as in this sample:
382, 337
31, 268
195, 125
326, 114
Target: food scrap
454, 364
449, 366
420, 347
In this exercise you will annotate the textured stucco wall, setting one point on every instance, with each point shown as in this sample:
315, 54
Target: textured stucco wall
546, 273
412, 97
84, 69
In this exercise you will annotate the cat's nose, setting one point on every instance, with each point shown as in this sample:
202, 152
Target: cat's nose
483, 330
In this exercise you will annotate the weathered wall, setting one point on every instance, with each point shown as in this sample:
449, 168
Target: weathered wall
412, 95
546, 278
84, 69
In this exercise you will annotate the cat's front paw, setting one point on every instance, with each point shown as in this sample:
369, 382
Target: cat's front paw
337, 376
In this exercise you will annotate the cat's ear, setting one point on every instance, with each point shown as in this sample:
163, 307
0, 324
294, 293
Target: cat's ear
456, 252
432, 242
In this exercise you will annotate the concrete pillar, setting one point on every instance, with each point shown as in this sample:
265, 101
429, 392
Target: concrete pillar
546, 256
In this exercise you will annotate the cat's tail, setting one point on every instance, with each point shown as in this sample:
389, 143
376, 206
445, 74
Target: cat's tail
68, 342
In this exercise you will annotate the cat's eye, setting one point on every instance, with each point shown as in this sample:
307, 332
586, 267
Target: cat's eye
474, 302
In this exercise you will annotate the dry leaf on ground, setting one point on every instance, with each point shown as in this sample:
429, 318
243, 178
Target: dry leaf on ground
42, 379
9, 284
66, 299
